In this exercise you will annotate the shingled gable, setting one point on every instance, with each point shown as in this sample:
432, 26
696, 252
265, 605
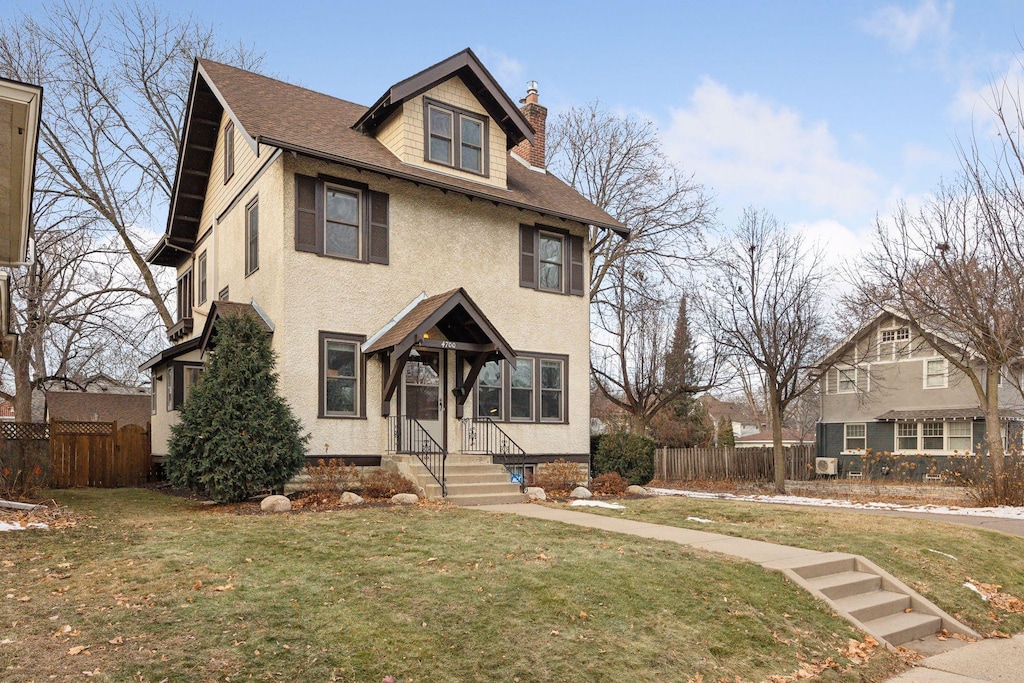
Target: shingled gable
477, 78
268, 113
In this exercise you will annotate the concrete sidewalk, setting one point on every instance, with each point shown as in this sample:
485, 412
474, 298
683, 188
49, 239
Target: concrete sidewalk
991, 660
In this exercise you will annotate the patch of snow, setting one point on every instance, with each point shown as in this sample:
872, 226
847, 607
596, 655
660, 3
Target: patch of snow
939, 552
16, 526
1002, 512
598, 504
699, 519
974, 588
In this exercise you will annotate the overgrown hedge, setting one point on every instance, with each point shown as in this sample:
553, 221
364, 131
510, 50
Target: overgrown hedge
630, 455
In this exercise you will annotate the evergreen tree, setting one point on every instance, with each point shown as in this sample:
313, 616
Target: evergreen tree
725, 433
237, 436
685, 423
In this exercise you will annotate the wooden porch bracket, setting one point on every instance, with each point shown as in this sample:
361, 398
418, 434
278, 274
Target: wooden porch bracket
464, 384
394, 376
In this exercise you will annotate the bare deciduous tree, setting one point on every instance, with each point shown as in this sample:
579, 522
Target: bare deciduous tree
766, 302
116, 83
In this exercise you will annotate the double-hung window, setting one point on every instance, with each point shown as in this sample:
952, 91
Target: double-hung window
521, 399
847, 380
252, 237
185, 295
906, 436
959, 436
552, 249
935, 373
933, 436
856, 437
341, 376
342, 222
531, 389
488, 391
455, 137
201, 284
551, 390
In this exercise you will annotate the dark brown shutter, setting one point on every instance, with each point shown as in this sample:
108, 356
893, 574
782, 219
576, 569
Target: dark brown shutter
379, 219
306, 213
528, 256
576, 265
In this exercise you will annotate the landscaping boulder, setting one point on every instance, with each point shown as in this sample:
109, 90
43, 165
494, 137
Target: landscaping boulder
405, 498
581, 492
351, 498
276, 504
536, 493
635, 490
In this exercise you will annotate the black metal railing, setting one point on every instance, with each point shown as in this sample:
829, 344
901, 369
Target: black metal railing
481, 435
407, 435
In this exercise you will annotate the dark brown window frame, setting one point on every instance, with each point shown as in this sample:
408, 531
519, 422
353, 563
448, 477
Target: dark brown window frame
201, 281
175, 375
361, 363
229, 151
506, 389
573, 271
562, 280
457, 114
361, 191
184, 294
374, 219
223, 294
250, 268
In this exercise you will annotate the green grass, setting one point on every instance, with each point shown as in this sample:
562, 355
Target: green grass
907, 548
428, 593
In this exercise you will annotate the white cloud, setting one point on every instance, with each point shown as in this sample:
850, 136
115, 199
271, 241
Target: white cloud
838, 244
905, 29
756, 152
507, 70
977, 102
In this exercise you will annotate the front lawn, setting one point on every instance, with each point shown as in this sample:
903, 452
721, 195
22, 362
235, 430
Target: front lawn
935, 558
150, 587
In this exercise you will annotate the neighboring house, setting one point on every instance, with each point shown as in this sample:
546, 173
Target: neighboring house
887, 390
423, 276
20, 107
744, 421
98, 398
763, 439
6, 411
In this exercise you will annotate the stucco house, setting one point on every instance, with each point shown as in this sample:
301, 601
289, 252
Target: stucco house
886, 389
423, 276
20, 111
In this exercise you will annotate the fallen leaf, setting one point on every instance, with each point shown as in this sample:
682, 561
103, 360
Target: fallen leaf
226, 587
555, 632
77, 649
116, 641
7, 563
197, 585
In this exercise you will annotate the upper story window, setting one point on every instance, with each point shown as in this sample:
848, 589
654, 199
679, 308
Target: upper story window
550, 260
342, 224
252, 236
341, 218
898, 334
185, 295
935, 373
201, 284
847, 380
229, 151
455, 137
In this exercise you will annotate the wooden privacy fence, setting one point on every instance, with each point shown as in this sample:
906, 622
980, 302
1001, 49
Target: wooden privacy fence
78, 453
747, 464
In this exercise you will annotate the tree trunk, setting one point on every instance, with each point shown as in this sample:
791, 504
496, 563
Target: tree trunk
994, 428
778, 453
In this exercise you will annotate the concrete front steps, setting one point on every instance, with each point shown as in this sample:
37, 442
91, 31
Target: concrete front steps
471, 479
874, 600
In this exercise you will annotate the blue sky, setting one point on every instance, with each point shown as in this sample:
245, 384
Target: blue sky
824, 113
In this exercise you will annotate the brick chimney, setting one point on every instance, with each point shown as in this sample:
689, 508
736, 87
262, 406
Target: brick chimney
537, 115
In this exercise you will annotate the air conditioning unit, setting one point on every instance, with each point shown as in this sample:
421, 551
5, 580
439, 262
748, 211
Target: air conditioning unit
825, 465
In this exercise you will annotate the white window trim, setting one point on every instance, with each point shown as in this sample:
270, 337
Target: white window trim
945, 373
846, 437
946, 450
839, 380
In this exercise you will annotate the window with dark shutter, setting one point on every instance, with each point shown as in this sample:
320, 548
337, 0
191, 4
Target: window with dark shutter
528, 256
576, 271
377, 252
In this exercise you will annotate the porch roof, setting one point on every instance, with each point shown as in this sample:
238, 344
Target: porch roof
219, 309
939, 414
454, 313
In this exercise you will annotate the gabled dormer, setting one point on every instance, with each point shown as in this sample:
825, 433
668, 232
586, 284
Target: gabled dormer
451, 118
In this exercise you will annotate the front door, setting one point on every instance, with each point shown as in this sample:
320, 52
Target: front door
423, 393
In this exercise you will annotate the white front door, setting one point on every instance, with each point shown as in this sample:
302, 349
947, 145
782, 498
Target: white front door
423, 393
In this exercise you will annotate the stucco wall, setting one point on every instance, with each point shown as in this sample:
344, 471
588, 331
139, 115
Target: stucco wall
438, 242
162, 421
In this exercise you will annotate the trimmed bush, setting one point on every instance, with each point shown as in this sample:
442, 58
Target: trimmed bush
630, 455
333, 476
237, 436
559, 477
609, 484
384, 484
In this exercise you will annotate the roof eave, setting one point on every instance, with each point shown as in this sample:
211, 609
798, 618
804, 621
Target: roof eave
618, 228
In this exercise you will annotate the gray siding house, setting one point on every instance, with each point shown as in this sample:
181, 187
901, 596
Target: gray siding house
887, 390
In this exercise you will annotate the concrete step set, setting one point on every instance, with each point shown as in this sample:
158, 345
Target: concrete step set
471, 479
874, 600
